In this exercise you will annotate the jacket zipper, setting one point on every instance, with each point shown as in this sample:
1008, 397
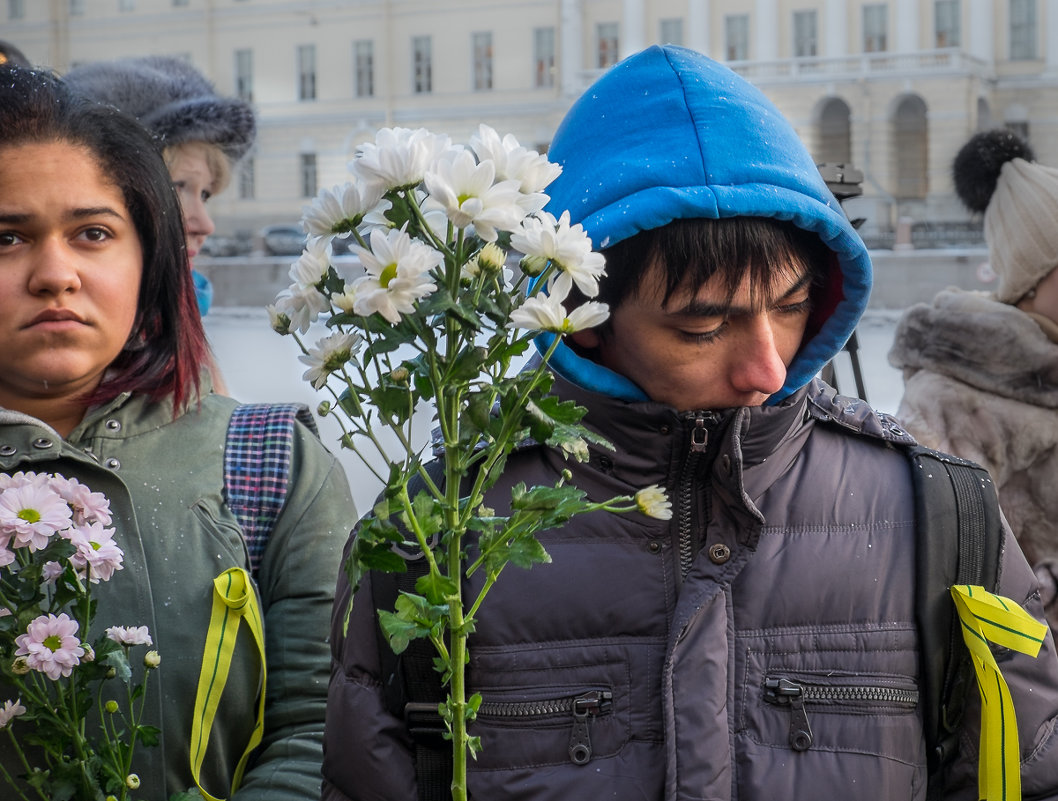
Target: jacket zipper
686, 490
582, 708
786, 692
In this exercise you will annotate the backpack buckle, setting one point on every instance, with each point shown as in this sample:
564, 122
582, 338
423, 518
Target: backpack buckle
424, 722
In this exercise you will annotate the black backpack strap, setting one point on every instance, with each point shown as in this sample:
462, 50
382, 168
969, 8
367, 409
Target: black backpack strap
412, 688
257, 452
959, 541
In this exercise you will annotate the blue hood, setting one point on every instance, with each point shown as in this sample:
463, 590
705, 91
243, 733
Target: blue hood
670, 134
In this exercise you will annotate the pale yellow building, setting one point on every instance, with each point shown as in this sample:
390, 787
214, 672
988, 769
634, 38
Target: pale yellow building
894, 87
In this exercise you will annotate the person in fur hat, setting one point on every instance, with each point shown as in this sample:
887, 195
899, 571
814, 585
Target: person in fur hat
981, 369
203, 134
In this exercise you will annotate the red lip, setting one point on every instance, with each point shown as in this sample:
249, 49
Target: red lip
55, 316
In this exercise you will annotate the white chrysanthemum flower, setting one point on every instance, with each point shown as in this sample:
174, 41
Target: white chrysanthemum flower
567, 246
301, 306
129, 635
398, 275
398, 158
346, 301
279, 321
330, 354
340, 209
22, 479
546, 313
313, 264
653, 501
50, 645
531, 170
469, 196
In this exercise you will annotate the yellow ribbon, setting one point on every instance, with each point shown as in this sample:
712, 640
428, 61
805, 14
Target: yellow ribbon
992, 618
234, 601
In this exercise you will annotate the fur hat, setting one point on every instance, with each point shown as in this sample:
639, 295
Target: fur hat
172, 99
995, 172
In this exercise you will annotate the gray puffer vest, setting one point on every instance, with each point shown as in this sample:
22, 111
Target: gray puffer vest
761, 645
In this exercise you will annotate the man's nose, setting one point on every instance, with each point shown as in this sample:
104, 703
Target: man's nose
758, 367
197, 219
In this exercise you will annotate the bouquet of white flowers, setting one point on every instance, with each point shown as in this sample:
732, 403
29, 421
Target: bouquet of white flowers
55, 545
439, 326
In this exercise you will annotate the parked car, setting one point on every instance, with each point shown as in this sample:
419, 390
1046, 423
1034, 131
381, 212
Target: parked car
282, 240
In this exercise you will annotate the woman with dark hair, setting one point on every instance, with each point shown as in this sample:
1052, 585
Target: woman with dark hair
103, 378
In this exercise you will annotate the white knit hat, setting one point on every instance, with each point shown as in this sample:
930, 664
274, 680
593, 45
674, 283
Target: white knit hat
994, 172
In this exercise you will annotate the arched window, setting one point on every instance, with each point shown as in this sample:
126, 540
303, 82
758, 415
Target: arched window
910, 148
834, 132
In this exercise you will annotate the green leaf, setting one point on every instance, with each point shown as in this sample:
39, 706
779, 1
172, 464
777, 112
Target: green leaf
436, 588
117, 660
149, 735
527, 551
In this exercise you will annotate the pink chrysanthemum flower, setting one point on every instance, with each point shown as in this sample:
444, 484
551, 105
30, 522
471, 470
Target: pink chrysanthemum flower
32, 514
11, 710
51, 571
130, 635
97, 554
87, 505
50, 645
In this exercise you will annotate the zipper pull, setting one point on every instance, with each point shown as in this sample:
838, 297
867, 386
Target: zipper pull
699, 435
789, 693
586, 706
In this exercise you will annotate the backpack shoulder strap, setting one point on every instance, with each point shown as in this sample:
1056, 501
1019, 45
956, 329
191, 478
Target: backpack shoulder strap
959, 540
257, 454
412, 687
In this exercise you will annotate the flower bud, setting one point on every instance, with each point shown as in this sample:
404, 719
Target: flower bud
132, 781
152, 659
399, 375
533, 265
111, 707
111, 673
324, 408
491, 258
20, 667
280, 322
89, 653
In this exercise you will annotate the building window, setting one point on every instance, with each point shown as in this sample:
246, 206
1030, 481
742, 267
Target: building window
15, 9
671, 31
364, 67
544, 57
835, 133
247, 189
308, 175
875, 28
76, 8
244, 74
806, 42
126, 5
307, 72
946, 22
481, 47
606, 44
1022, 30
910, 157
422, 64
736, 37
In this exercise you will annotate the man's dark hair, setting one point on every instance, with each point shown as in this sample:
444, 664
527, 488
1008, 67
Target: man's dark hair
693, 252
167, 346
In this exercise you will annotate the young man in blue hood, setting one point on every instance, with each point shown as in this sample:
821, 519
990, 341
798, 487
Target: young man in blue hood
763, 643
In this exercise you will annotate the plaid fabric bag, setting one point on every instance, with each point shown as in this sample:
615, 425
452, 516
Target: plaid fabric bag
257, 453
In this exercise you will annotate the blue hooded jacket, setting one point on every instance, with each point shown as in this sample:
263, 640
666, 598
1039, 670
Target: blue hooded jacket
670, 134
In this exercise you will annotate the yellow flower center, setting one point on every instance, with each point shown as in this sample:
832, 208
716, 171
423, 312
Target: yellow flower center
54, 642
388, 274
29, 515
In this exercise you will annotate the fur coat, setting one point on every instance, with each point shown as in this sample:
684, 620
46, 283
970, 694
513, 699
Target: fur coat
981, 381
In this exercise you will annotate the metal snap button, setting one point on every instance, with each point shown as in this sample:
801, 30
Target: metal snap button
113, 425
42, 443
664, 429
112, 463
719, 553
654, 546
8, 450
